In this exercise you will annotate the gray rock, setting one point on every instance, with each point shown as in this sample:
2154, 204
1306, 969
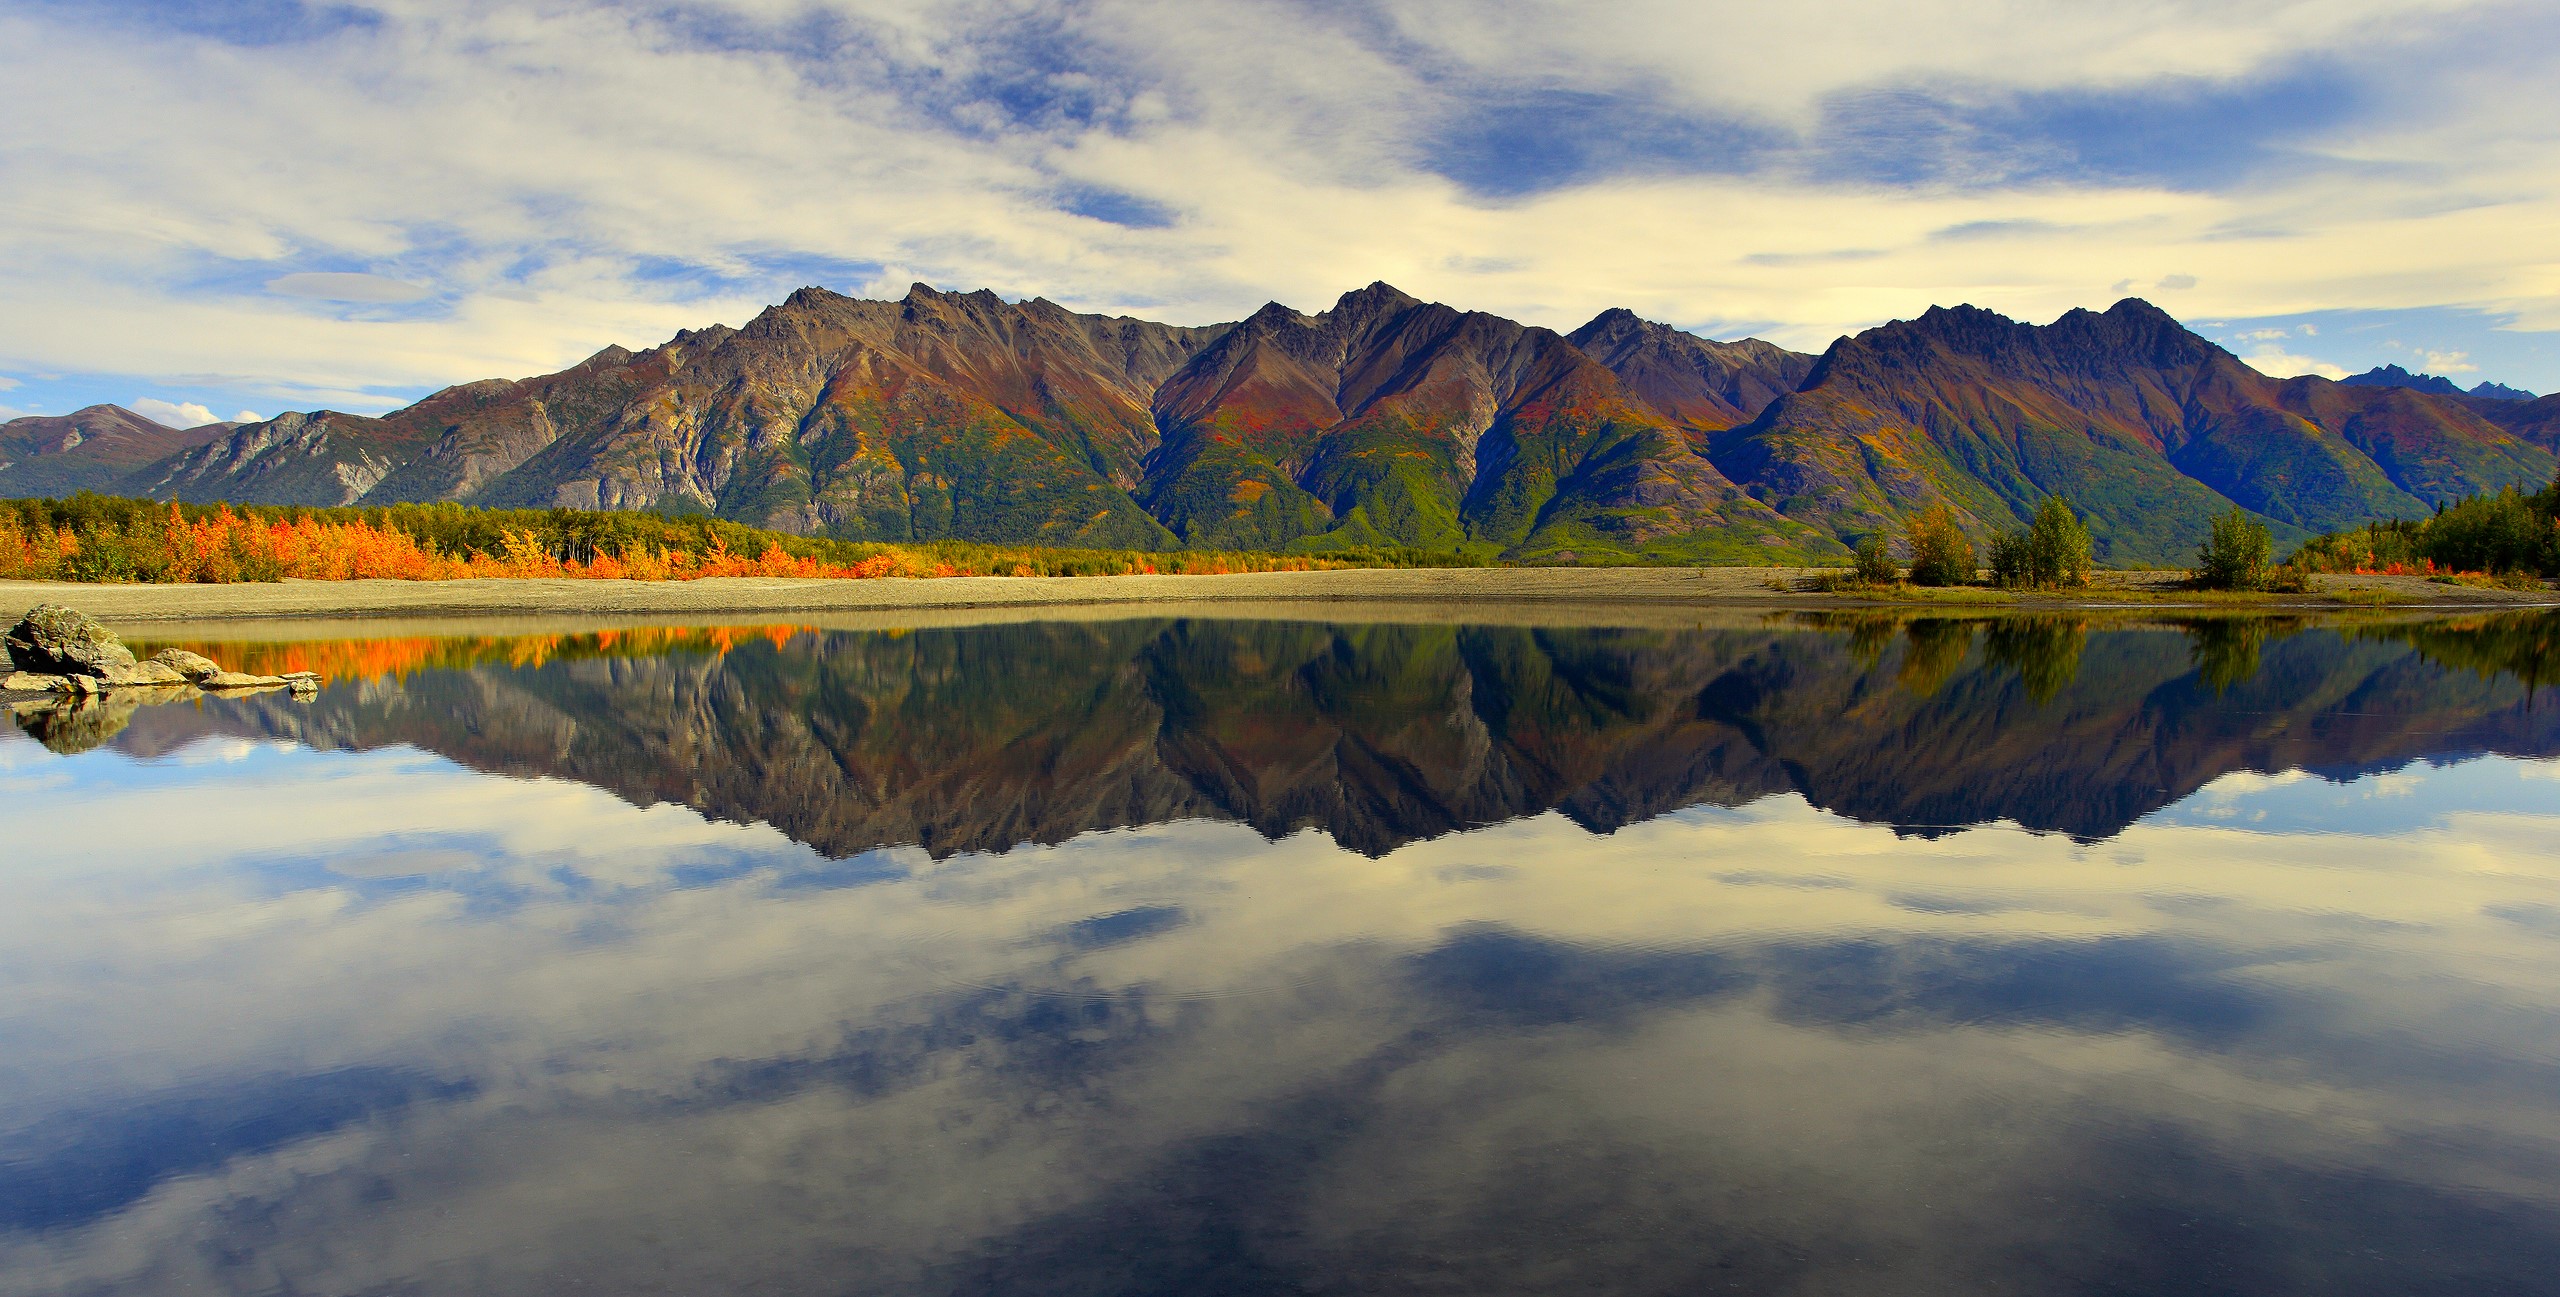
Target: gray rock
54, 640
193, 666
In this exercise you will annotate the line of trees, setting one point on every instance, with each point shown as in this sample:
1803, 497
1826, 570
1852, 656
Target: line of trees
2052, 552
2507, 535
91, 537
2501, 533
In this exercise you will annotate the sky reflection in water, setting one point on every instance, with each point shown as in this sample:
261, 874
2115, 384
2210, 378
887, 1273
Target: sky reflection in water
1026, 959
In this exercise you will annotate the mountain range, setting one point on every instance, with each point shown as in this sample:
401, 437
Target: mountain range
2438, 384
1381, 421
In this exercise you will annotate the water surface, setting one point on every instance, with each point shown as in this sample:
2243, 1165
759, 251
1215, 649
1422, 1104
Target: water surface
1162, 956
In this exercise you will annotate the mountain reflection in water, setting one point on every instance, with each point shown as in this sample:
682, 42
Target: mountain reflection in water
1842, 955
984, 738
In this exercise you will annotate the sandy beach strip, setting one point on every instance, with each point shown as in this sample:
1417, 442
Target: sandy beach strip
1489, 591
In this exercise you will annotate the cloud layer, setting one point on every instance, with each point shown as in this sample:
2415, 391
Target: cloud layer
349, 204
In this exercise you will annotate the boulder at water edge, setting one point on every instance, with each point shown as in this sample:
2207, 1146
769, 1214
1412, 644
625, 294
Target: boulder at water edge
55, 640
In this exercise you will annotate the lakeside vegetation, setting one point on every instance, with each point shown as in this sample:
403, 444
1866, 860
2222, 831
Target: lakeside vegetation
2507, 534
90, 537
2507, 539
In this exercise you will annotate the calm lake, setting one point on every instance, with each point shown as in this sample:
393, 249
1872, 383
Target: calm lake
1795, 956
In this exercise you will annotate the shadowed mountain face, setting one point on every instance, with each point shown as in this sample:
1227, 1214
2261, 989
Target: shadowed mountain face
87, 450
2150, 429
1388, 421
982, 739
2536, 421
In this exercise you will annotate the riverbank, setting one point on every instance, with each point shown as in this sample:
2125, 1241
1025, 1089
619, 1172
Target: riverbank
1488, 588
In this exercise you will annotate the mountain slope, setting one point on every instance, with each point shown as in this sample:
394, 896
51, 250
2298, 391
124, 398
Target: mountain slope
87, 450
1695, 381
939, 415
2151, 429
2536, 421
1391, 420
1384, 420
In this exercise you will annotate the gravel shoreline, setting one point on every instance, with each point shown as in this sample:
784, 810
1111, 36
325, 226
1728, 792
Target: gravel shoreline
1494, 591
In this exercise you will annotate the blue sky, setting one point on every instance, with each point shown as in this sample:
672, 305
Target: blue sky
255, 205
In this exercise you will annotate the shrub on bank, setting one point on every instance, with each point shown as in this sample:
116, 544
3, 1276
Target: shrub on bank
1941, 554
1873, 563
2234, 556
2051, 553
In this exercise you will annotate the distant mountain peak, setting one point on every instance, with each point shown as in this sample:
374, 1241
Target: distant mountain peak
1378, 296
2395, 376
2138, 308
2433, 384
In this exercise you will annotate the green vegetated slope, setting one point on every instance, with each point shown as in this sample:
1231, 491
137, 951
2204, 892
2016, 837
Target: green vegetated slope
1388, 420
1383, 421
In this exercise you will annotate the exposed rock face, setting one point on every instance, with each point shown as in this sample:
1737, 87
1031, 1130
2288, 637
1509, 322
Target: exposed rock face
54, 640
941, 415
324, 458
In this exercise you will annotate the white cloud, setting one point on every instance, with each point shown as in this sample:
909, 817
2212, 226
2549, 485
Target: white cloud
8, 384
344, 287
570, 195
2279, 364
179, 415
247, 416
2448, 362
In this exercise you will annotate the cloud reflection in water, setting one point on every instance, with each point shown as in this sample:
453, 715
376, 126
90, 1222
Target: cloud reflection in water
2247, 1043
